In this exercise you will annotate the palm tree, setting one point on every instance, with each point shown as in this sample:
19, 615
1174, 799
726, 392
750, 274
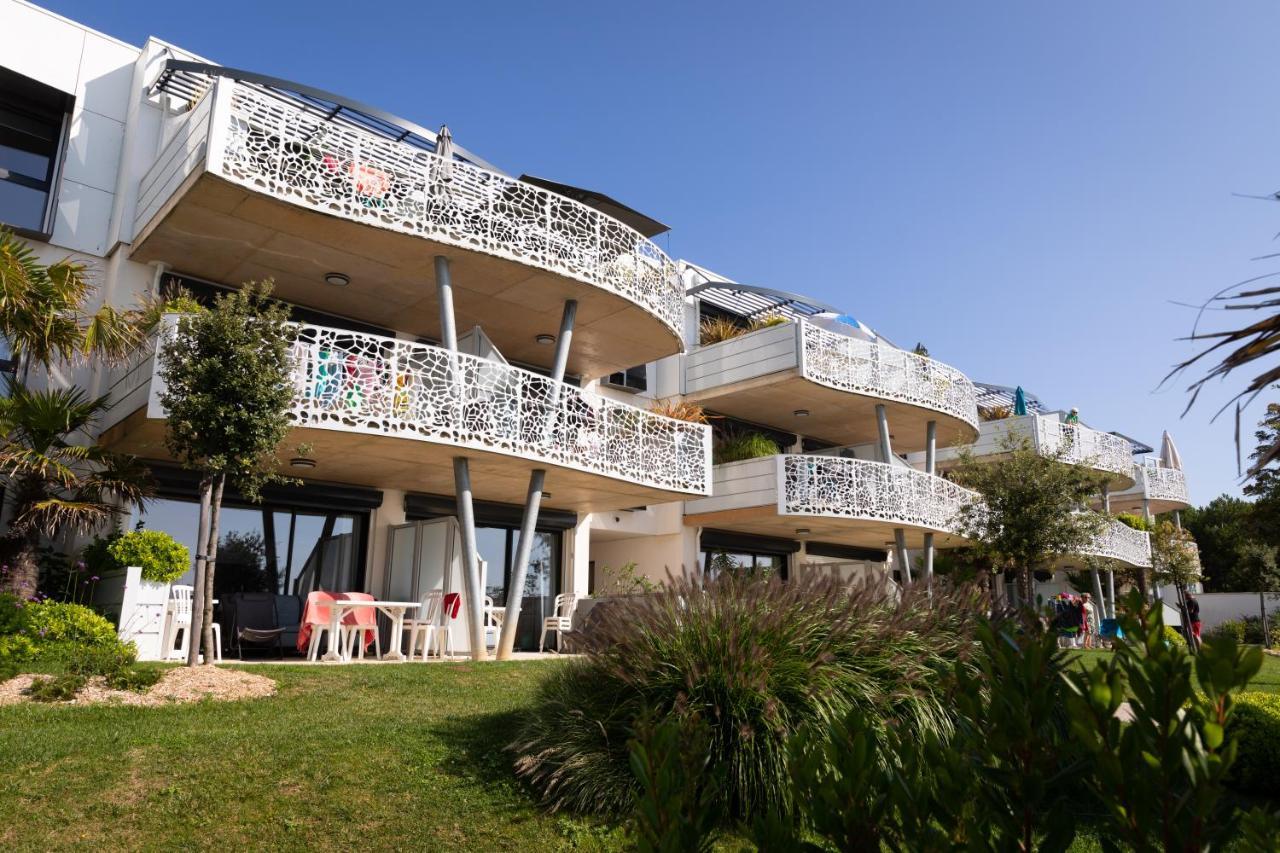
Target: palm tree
43, 313
56, 479
59, 480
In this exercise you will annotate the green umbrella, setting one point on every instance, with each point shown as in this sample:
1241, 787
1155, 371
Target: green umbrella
1019, 401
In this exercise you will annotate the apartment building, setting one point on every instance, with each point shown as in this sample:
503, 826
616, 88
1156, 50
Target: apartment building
479, 351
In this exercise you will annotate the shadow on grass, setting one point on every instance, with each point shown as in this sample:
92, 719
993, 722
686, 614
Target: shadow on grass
477, 747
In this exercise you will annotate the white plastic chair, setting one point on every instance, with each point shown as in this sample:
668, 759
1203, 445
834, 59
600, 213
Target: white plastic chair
177, 622
561, 620
492, 621
428, 628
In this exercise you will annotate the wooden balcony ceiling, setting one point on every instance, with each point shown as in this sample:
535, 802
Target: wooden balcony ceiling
385, 462
839, 417
219, 231
765, 521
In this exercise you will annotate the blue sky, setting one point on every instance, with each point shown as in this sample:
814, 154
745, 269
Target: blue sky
1024, 187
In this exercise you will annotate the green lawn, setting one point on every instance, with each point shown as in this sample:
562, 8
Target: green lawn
358, 757
1266, 681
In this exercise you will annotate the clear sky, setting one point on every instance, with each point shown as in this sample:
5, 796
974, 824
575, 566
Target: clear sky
1024, 187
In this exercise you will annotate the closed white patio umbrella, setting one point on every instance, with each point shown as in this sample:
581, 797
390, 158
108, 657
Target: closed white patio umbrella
1169, 457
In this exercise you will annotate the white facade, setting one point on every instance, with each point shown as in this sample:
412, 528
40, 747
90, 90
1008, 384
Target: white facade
223, 181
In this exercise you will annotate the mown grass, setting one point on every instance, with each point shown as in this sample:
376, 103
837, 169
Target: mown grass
1266, 681
358, 757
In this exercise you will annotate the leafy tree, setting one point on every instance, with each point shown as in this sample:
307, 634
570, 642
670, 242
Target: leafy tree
1221, 528
1265, 486
58, 481
227, 390
1033, 508
1175, 561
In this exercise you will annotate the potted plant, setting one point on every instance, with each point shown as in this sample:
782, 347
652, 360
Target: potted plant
135, 571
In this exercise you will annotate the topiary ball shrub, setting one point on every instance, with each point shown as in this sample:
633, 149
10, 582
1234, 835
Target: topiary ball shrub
1255, 723
1174, 637
756, 660
162, 558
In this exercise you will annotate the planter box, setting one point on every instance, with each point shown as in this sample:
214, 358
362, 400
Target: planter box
137, 608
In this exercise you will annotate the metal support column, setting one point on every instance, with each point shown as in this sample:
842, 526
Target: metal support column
930, 467
903, 558
1108, 604
533, 500
470, 558
461, 473
882, 421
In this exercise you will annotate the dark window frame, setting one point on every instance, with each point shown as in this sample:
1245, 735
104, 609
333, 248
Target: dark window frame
52, 107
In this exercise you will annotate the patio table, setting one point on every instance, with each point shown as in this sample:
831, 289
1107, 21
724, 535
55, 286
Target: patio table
394, 610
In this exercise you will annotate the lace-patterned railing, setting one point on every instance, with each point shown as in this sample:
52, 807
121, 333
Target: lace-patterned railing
1121, 542
878, 370
1100, 450
368, 383
1165, 484
274, 146
862, 489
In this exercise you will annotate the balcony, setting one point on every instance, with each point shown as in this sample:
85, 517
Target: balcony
251, 184
836, 499
1164, 489
767, 375
389, 413
1106, 453
1121, 542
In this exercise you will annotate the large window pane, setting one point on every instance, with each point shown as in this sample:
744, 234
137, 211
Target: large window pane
22, 207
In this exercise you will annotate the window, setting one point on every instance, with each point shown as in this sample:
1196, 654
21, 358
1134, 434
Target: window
631, 379
34, 119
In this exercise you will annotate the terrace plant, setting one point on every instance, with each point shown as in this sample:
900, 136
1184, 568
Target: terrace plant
227, 395
756, 660
740, 446
715, 330
680, 410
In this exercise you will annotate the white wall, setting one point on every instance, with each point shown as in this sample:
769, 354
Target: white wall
1219, 607
655, 556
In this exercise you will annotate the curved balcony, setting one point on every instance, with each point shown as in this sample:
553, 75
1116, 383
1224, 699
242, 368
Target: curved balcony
1163, 490
392, 414
1121, 542
256, 185
833, 499
768, 375
1106, 453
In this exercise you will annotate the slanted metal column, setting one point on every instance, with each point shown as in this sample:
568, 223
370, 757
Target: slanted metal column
886, 451
1109, 604
882, 421
930, 467
533, 500
461, 473
903, 558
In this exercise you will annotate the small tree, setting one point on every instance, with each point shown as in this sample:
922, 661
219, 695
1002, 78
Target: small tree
1033, 509
1258, 571
1175, 561
227, 392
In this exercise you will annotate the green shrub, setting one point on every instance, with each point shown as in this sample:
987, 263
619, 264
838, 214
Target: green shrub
56, 688
54, 633
163, 559
757, 660
133, 678
1246, 630
1255, 723
1174, 637
1232, 628
96, 556
1129, 519
745, 445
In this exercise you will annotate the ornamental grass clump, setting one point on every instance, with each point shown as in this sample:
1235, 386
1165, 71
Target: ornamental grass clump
756, 661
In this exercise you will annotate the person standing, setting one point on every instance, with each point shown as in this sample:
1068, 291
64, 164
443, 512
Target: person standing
1193, 615
1089, 625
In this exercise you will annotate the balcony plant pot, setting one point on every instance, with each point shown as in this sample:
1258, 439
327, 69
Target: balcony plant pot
136, 606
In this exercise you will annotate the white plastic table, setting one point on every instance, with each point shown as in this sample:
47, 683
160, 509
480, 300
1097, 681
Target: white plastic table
395, 611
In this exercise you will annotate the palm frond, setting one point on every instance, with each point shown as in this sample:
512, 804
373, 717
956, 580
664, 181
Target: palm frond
110, 334
54, 515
